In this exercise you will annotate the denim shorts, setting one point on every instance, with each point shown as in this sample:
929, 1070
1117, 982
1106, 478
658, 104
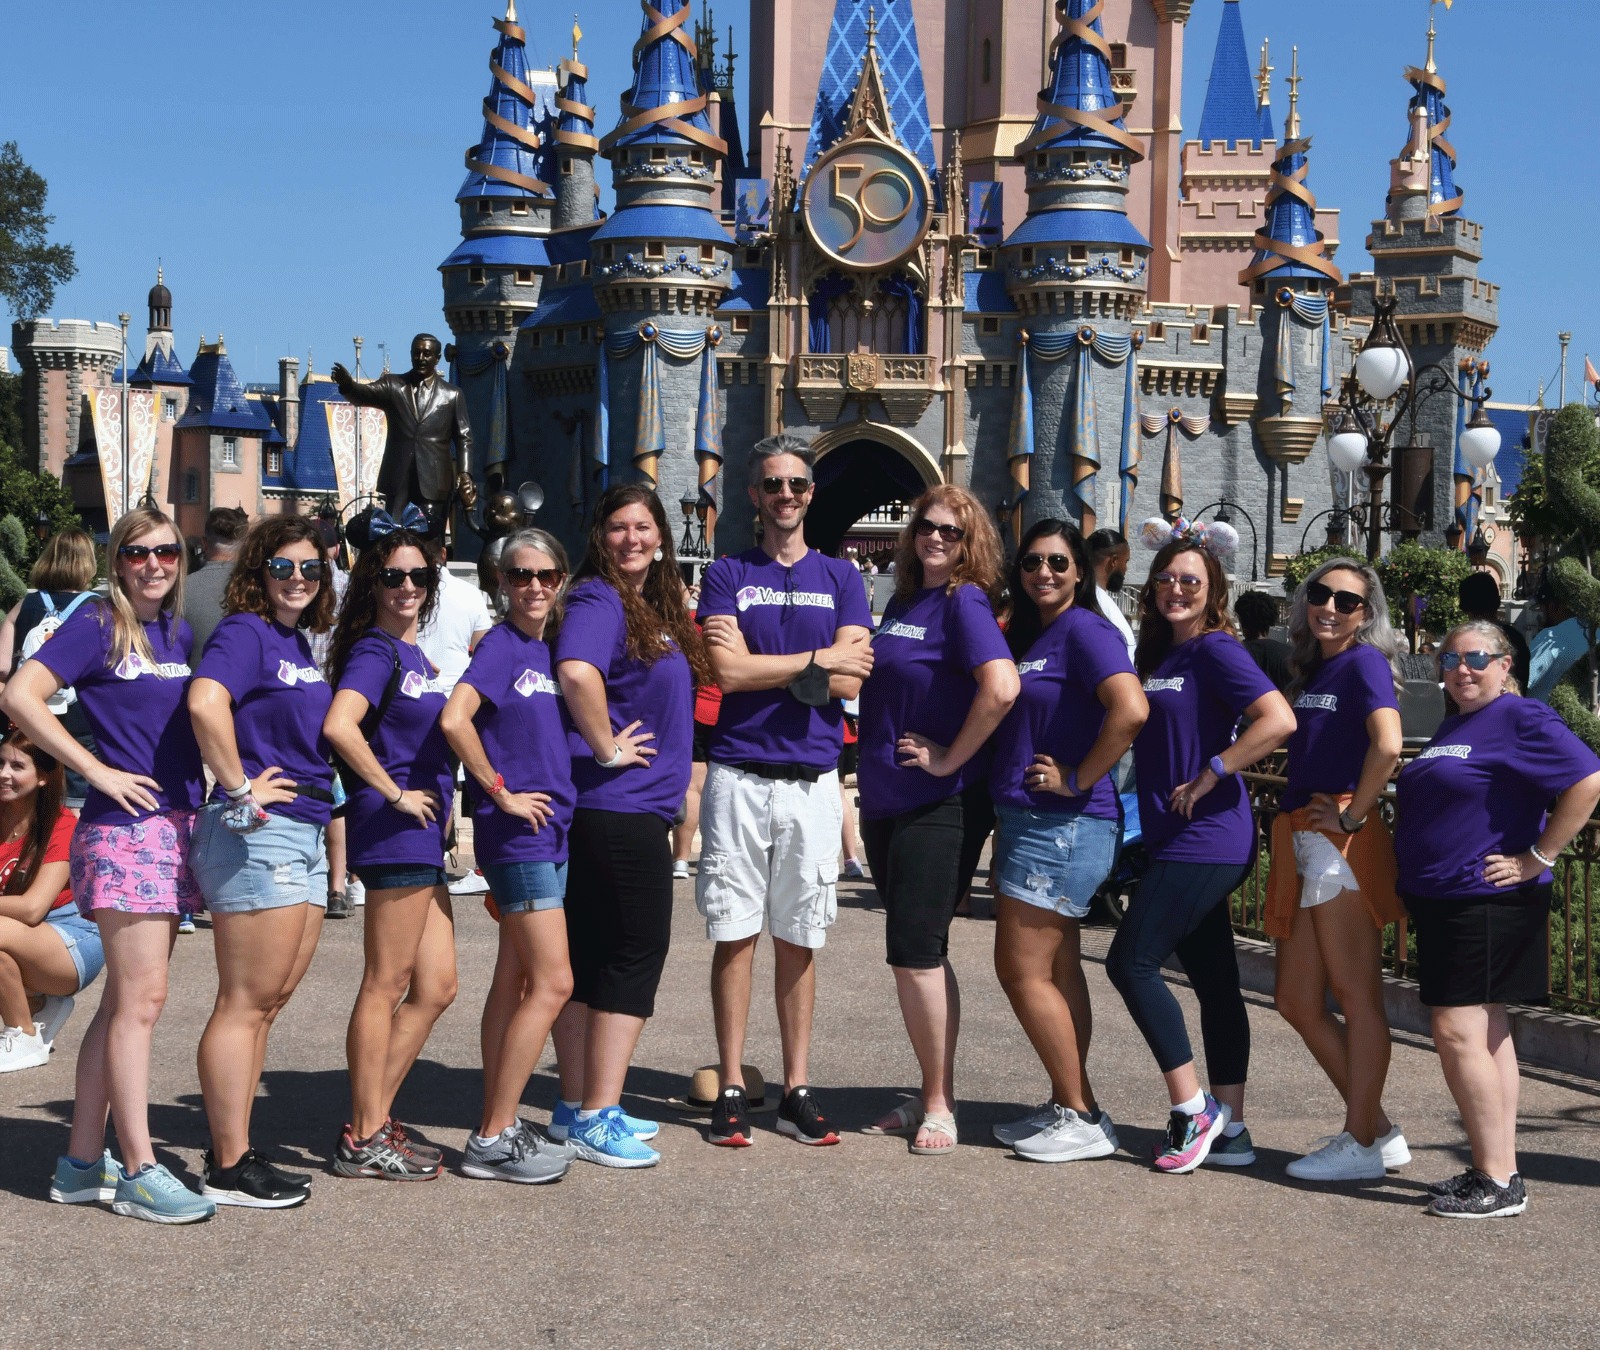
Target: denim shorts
283, 863
82, 937
1052, 860
399, 876
519, 886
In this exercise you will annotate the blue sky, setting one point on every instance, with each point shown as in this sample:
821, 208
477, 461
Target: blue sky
294, 164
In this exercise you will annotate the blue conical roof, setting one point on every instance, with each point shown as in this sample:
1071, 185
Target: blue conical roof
1444, 197
664, 73
577, 116
1231, 112
507, 161
1289, 245
1080, 79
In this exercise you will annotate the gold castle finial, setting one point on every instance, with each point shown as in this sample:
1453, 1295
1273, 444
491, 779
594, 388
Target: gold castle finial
158, 274
1291, 125
1264, 79
872, 28
511, 11
577, 37
1430, 67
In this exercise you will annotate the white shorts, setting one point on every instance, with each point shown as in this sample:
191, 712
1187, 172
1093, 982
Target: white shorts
1323, 870
769, 850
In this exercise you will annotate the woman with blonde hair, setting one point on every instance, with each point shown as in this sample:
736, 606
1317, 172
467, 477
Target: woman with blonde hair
942, 681
127, 657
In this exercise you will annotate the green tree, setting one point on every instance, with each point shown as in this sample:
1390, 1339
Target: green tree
13, 553
1530, 508
30, 266
10, 409
23, 495
1574, 504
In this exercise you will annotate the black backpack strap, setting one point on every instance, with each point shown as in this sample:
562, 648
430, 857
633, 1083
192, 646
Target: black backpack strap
373, 719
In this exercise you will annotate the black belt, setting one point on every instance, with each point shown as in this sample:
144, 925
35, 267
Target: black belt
783, 773
317, 794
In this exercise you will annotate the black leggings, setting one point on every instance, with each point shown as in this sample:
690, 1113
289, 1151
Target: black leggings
618, 908
1182, 907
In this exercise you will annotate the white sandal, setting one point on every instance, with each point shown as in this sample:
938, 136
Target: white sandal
939, 1122
907, 1119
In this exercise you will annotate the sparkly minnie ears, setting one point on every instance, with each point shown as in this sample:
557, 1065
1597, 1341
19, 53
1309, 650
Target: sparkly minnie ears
1216, 537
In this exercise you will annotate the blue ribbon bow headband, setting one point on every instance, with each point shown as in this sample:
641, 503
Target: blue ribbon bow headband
381, 522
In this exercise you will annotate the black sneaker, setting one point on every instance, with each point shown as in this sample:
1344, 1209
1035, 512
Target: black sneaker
1481, 1198
248, 1183
338, 905
383, 1157
283, 1174
1455, 1185
730, 1119
801, 1118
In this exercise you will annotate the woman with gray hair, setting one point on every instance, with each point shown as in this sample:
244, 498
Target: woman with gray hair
1332, 889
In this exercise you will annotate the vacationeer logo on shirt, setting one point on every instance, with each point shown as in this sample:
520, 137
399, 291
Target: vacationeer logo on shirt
765, 595
1030, 667
1443, 751
895, 628
1172, 686
1325, 702
535, 682
414, 686
292, 674
133, 665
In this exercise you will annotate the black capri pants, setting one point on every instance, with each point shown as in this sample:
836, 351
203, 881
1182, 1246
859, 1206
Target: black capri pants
618, 908
922, 863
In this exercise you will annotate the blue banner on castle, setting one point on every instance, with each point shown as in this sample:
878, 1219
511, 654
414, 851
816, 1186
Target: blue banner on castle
752, 209
985, 212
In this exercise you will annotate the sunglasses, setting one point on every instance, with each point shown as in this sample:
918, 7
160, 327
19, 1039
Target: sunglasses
1474, 660
281, 569
1059, 563
1172, 581
393, 578
548, 577
1346, 602
773, 486
951, 534
167, 553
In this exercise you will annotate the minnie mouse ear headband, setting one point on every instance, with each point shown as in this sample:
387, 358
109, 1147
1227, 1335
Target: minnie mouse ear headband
1215, 537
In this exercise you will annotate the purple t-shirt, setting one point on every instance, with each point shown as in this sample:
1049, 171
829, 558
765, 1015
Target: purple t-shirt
924, 654
781, 611
1482, 785
1330, 739
661, 696
280, 702
1196, 695
411, 748
139, 715
1059, 713
523, 732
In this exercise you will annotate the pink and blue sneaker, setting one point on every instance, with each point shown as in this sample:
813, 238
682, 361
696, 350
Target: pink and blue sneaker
1189, 1138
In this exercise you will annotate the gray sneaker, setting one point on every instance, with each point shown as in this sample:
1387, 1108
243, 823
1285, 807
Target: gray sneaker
57, 1008
1012, 1130
1069, 1137
516, 1155
156, 1196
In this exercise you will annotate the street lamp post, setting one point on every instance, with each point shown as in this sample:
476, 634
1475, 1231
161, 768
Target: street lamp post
124, 320
357, 376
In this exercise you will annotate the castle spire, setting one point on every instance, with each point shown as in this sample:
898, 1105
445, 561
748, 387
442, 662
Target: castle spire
507, 160
1232, 111
1444, 197
576, 196
1264, 95
1080, 109
666, 102
899, 89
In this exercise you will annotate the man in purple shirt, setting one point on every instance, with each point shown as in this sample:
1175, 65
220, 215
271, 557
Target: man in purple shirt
787, 630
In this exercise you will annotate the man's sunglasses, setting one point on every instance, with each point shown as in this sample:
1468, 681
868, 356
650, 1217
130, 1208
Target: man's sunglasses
281, 569
548, 577
1059, 563
393, 578
1474, 660
951, 534
1346, 602
139, 552
773, 486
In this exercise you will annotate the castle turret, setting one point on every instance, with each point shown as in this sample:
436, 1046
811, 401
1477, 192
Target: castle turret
576, 146
1233, 108
160, 363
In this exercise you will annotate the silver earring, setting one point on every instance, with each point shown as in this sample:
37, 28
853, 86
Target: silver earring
659, 555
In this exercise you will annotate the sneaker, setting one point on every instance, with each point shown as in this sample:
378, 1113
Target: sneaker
382, 1157
730, 1119
22, 1048
79, 1184
1009, 1132
1069, 1137
248, 1183
156, 1196
283, 1174
355, 891
416, 1142
600, 1139
680, 869
1455, 1185
801, 1118
1481, 1198
639, 1129
57, 1008
338, 905
1189, 1138
186, 925
853, 869
473, 883
1396, 1152
1232, 1151
1340, 1158
515, 1155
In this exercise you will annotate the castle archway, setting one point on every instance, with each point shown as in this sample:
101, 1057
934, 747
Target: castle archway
862, 466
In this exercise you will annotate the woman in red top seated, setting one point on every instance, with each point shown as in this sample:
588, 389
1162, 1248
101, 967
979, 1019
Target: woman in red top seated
48, 951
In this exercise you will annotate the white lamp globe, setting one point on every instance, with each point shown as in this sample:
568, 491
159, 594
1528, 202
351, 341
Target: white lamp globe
1480, 444
1348, 451
1381, 370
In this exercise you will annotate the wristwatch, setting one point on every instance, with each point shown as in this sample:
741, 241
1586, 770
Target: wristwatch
1350, 826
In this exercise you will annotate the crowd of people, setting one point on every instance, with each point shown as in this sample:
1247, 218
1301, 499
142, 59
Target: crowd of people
995, 697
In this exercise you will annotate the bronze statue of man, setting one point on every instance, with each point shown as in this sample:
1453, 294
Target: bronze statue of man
426, 414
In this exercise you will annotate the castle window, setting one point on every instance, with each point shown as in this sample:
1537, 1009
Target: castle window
1116, 159
1158, 332
752, 257
988, 61
697, 157
1202, 333
985, 258
583, 333
275, 463
1313, 286
475, 276
191, 485
169, 409
990, 325
1127, 257
566, 164
536, 339
230, 450
655, 249
1261, 287
1078, 252
1041, 161
524, 276
741, 323
485, 206
1119, 55
519, 208
561, 337
708, 253
658, 154
585, 271
1027, 257
1080, 156
608, 252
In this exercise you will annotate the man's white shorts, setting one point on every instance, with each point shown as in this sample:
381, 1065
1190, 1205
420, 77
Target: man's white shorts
768, 849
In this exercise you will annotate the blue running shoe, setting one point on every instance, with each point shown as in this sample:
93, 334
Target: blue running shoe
155, 1195
77, 1185
602, 1140
639, 1129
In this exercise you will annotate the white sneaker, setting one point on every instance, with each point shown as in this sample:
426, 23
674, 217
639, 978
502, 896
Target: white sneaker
355, 892
1396, 1152
853, 869
22, 1048
680, 869
57, 1008
473, 883
1341, 1158
1069, 1137
1008, 1132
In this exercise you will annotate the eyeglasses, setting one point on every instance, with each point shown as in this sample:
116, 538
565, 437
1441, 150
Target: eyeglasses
1346, 602
393, 578
548, 577
773, 486
281, 569
1172, 581
167, 553
1474, 660
951, 534
1059, 563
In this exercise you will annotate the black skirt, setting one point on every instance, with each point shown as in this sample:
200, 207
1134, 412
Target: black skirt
1483, 949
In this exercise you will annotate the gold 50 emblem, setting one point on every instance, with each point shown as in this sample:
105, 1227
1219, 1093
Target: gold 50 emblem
867, 205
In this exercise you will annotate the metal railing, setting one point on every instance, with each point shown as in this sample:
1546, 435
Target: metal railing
1572, 957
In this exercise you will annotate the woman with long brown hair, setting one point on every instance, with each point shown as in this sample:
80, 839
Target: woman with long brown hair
941, 682
258, 701
628, 658
127, 657
384, 726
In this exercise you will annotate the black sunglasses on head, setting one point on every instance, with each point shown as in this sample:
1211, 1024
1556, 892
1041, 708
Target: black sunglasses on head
1346, 602
393, 578
139, 552
281, 569
773, 486
951, 534
548, 577
1060, 564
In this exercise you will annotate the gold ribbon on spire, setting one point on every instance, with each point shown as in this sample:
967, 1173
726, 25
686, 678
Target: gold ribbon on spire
665, 27
1276, 251
529, 140
1095, 121
1431, 78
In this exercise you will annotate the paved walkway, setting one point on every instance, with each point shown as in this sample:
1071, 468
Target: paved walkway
858, 1245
